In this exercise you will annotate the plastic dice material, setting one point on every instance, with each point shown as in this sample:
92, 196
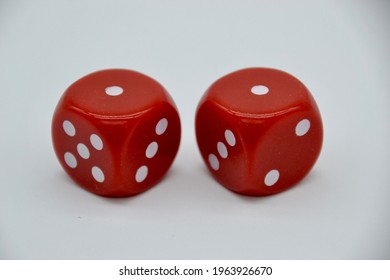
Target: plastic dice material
116, 132
259, 131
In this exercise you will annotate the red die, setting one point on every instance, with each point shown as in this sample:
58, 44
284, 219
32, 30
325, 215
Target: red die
116, 132
259, 131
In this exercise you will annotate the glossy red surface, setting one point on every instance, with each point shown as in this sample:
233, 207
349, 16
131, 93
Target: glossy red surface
259, 131
116, 132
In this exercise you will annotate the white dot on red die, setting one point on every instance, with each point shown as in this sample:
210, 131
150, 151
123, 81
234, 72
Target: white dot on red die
97, 174
70, 160
222, 150
96, 142
83, 151
161, 126
141, 174
151, 150
259, 90
302, 127
271, 178
114, 90
69, 128
214, 162
230, 138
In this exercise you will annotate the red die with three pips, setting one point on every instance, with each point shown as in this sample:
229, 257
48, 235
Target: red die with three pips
116, 132
259, 131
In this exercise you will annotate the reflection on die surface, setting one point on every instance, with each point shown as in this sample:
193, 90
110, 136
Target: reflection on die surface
259, 131
116, 132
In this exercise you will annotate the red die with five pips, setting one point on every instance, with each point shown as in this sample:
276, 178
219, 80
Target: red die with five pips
116, 132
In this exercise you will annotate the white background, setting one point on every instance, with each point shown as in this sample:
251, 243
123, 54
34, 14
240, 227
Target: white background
339, 49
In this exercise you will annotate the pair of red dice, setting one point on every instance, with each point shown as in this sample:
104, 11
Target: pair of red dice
116, 132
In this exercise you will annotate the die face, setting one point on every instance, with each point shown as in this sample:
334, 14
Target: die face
100, 146
258, 92
219, 141
115, 93
288, 154
83, 151
151, 149
277, 127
